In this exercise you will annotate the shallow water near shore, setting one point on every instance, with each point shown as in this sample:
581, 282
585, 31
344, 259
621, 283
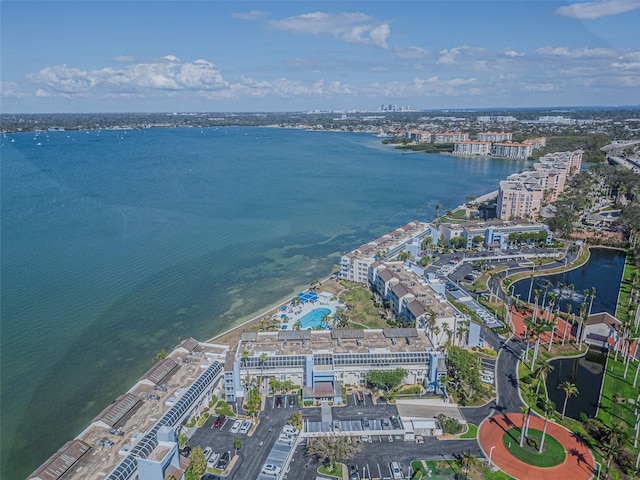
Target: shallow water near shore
116, 244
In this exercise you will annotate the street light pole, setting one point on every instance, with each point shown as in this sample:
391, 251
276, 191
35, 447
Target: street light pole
491, 455
598, 463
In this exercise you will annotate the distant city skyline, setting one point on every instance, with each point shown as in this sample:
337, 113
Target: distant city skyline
153, 56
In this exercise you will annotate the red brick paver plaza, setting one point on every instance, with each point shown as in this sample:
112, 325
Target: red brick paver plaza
578, 463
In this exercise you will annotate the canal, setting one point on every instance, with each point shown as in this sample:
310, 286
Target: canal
586, 373
604, 272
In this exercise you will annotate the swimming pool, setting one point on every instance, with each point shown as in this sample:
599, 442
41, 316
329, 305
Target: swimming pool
313, 319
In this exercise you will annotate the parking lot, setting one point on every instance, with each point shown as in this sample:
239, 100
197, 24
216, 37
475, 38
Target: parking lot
382, 444
256, 444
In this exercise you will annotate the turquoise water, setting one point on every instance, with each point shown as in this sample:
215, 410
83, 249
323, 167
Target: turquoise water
313, 319
117, 244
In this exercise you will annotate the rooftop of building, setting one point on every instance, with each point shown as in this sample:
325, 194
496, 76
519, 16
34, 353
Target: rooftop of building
135, 413
337, 341
391, 239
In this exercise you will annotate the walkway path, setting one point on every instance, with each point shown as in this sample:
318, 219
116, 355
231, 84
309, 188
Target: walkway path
578, 463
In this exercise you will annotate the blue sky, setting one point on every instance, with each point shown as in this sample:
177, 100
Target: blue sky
115, 56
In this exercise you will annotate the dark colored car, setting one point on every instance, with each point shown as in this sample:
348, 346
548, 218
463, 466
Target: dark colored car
185, 452
220, 421
292, 400
365, 424
278, 401
223, 461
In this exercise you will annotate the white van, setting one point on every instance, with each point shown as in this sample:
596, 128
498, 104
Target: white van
396, 472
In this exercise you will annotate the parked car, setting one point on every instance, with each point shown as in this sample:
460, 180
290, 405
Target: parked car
246, 425
395, 423
116, 431
293, 399
235, 428
185, 452
278, 402
396, 471
223, 461
220, 421
211, 463
290, 429
270, 469
207, 452
365, 423
286, 438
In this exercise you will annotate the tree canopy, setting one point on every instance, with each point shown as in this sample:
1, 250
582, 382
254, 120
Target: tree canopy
390, 379
332, 448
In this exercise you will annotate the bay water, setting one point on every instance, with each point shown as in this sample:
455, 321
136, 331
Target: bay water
115, 244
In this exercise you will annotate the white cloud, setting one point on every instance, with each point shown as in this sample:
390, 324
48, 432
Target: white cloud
626, 65
597, 9
11, 89
348, 27
578, 52
512, 53
464, 57
252, 15
169, 73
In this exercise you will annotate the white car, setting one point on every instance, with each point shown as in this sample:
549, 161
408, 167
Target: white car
246, 425
207, 452
290, 429
270, 469
236, 426
396, 472
211, 462
286, 438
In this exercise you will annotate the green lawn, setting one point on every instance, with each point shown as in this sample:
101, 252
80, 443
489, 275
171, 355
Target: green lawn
472, 431
552, 455
336, 472
614, 383
361, 309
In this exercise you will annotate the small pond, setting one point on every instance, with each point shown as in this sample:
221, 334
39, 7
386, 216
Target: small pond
586, 373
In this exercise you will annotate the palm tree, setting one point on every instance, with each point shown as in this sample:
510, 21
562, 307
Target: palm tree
244, 355
536, 296
566, 323
544, 368
570, 390
592, 296
547, 409
431, 321
536, 331
462, 329
526, 411
263, 360
437, 209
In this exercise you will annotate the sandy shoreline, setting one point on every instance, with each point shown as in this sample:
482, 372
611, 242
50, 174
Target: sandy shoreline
232, 336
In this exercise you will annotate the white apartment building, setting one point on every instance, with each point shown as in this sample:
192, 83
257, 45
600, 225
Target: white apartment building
472, 147
450, 137
512, 150
418, 136
354, 266
496, 118
495, 136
